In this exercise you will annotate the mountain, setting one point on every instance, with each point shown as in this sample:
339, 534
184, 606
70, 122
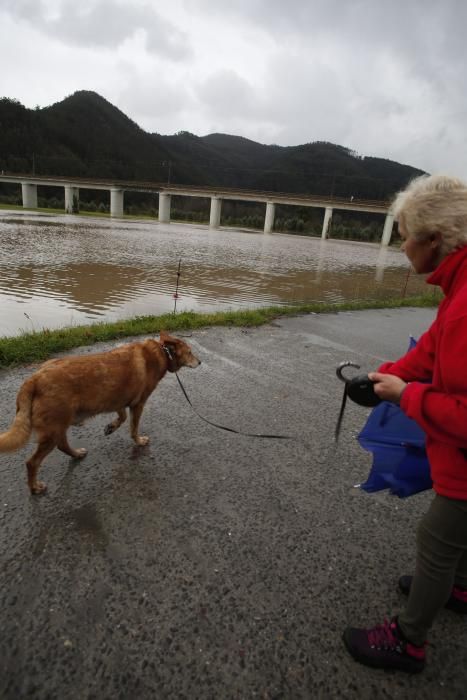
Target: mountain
85, 135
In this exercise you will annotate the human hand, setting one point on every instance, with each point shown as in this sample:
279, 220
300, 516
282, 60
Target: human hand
387, 386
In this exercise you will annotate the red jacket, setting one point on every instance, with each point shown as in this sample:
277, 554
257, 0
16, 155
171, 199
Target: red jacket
440, 360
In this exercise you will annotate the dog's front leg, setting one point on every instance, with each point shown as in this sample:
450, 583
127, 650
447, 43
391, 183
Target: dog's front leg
116, 423
135, 412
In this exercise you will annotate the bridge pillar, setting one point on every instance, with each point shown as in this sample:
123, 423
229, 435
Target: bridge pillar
164, 208
29, 193
269, 218
71, 199
215, 214
387, 231
326, 222
116, 202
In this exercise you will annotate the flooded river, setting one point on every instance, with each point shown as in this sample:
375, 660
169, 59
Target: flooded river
58, 270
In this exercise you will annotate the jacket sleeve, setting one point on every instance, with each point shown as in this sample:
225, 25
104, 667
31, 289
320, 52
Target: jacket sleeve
418, 363
441, 411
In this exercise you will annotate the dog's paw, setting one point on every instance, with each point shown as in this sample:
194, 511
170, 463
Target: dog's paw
108, 430
142, 440
38, 489
80, 452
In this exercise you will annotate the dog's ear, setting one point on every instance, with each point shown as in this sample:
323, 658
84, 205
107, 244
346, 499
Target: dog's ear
169, 340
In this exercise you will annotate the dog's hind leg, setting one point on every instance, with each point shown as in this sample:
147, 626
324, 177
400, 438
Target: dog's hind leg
116, 423
135, 412
64, 446
44, 447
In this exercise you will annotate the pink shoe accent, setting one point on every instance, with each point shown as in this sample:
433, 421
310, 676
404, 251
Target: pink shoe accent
460, 594
382, 635
416, 652
388, 636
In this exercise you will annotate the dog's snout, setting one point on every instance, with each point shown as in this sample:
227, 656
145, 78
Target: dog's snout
193, 362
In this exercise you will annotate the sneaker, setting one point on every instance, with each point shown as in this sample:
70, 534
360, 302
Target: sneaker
457, 600
384, 646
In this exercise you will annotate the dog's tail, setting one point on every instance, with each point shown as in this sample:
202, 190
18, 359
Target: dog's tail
21, 428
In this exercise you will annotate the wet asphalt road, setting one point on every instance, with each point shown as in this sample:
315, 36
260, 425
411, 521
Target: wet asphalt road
211, 565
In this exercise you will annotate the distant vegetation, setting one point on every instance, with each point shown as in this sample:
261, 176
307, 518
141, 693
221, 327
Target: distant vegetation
84, 135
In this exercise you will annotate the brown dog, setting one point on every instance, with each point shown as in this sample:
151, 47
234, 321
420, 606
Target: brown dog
66, 391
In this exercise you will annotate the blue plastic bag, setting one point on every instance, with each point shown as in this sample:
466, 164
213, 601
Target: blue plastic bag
397, 442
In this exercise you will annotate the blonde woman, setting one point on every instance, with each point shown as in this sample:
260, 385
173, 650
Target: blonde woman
430, 384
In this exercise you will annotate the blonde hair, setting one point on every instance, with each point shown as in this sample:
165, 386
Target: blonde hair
434, 204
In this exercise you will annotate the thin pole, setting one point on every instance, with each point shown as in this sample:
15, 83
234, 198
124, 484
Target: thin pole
176, 295
406, 282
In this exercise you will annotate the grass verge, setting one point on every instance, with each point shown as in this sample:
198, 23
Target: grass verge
39, 345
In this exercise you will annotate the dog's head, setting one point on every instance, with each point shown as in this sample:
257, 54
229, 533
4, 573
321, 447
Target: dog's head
178, 352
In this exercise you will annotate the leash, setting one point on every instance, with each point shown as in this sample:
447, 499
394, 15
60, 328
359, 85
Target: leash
341, 415
360, 390
325, 462
214, 425
224, 427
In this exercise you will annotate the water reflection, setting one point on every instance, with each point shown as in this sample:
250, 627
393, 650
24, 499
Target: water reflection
323, 247
58, 270
381, 263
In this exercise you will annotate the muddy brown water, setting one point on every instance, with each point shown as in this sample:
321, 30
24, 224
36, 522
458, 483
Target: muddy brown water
58, 270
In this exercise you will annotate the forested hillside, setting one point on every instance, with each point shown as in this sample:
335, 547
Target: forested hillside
84, 135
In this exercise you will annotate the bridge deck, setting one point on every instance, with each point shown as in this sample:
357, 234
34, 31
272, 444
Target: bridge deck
292, 198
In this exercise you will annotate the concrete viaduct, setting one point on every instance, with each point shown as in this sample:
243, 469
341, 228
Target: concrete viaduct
30, 183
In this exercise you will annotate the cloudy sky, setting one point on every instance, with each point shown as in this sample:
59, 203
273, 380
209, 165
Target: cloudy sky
382, 77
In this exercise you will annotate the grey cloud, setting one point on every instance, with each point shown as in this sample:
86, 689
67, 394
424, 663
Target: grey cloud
167, 102
419, 29
226, 94
23, 9
104, 24
418, 47
284, 114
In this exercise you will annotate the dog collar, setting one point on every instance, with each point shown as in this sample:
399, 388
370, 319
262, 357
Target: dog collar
169, 354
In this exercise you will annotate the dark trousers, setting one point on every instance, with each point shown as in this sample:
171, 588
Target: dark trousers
441, 564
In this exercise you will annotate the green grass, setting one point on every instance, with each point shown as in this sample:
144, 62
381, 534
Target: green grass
39, 345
